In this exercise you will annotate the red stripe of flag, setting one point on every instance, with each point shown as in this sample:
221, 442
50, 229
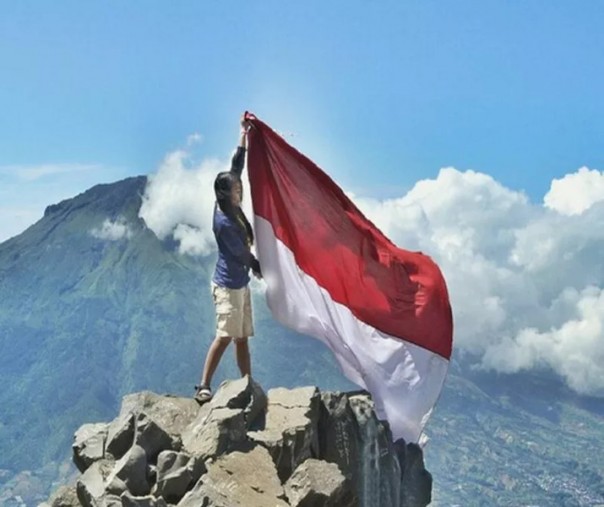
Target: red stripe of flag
398, 292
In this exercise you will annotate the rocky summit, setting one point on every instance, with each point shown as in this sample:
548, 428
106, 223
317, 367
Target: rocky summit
288, 447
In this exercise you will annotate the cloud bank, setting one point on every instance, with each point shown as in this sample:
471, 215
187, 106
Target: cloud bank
179, 201
526, 279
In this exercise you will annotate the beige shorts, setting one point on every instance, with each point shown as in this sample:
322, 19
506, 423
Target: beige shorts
233, 312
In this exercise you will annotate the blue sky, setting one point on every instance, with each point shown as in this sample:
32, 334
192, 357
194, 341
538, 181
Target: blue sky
380, 94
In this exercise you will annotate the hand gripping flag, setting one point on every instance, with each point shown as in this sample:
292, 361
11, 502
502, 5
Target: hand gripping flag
330, 273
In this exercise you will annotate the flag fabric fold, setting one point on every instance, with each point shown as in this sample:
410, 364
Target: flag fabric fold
330, 273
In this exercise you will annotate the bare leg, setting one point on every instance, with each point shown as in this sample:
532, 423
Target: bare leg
242, 351
213, 357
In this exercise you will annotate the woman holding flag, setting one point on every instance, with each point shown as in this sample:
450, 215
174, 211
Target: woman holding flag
230, 290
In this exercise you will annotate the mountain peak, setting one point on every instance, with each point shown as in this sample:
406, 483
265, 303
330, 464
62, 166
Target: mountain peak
290, 448
111, 198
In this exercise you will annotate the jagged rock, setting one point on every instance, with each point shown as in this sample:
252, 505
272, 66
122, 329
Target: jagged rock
120, 435
214, 432
152, 421
290, 430
65, 496
128, 500
115, 486
416, 489
89, 445
317, 483
234, 401
176, 472
90, 486
256, 408
242, 393
151, 437
379, 467
171, 413
352, 437
238, 479
132, 470
339, 437
246, 452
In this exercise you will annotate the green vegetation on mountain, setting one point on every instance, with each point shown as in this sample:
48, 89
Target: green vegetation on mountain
515, 440
85, 320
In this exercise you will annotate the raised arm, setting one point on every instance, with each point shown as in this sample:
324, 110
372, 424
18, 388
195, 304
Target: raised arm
238, 160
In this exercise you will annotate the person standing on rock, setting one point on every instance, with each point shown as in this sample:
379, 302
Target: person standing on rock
230, 290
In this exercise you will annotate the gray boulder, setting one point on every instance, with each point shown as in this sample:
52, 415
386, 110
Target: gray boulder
89, 445
290, 431
115, 486
317, 483
361, 445
220, 426
379, 467
90, 487
242, 393
120, 435
238, 479
129, 500
416, 487
152, 437
152, 421
131, 469
215, 432
172, 413
339, 436
177, 472
241, 447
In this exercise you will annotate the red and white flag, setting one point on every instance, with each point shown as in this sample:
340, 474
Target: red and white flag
330, 273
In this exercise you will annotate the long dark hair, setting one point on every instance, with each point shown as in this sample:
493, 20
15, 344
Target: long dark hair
223, 188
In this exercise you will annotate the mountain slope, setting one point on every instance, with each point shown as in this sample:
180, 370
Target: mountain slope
85, 320
515, 440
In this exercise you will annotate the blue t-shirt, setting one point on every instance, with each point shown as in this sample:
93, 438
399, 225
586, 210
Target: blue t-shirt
234, 255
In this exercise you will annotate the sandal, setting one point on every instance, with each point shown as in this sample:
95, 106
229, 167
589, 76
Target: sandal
203, 394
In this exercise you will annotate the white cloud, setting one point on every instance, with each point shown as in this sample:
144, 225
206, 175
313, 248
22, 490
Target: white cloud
112, 230
525, 280
574, 349
179, 201
192, 240
577, 192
